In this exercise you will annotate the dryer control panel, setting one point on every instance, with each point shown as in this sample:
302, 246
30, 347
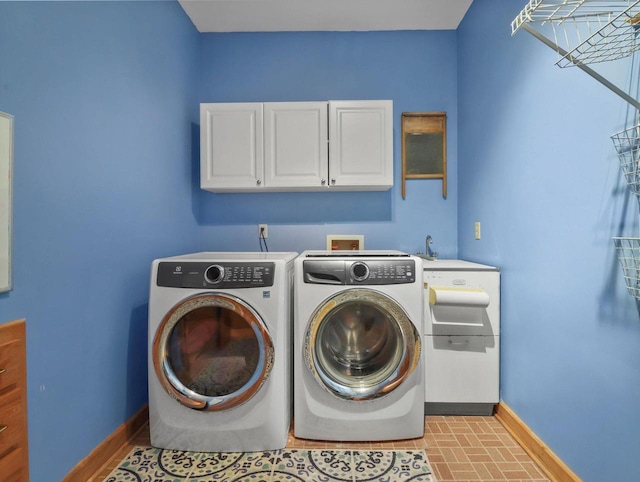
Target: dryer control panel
360, 271
219, 275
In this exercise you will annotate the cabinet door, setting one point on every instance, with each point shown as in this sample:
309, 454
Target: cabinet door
295, 139
361, 144
462, 369
231, 147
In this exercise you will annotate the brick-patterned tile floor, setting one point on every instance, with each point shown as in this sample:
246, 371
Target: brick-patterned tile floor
458, 448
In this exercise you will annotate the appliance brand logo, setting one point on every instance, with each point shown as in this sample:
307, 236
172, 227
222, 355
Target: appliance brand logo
459, 282
266, 294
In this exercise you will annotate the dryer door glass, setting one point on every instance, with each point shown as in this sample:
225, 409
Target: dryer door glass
212, 352
361, 345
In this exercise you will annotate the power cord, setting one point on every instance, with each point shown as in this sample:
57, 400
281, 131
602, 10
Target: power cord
262, 240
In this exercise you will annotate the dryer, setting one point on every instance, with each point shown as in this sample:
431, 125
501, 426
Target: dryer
358, 363
220, 351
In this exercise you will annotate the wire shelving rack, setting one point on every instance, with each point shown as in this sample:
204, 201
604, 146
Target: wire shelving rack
628, 250
585, 32
591, 31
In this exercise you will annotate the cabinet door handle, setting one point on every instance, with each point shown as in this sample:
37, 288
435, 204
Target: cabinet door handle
2, 370
459, 343
258, 182
333, 180
323, 182
3, 428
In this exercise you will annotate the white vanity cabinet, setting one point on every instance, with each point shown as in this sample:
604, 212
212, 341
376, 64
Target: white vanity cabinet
296, 146
462, 337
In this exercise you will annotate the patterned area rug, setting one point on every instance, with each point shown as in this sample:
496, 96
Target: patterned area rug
150, 464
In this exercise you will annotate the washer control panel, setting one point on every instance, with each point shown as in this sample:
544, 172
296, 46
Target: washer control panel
359, 272
221, 275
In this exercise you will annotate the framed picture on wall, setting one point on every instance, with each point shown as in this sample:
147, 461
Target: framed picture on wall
6, 198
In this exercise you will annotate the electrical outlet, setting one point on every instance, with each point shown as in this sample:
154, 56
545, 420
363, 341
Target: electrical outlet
477, 229
263, 231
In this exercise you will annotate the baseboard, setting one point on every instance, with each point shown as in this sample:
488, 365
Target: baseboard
550, 463
470, 409
108, 448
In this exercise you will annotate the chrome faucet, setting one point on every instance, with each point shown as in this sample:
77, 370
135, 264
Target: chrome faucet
429, 254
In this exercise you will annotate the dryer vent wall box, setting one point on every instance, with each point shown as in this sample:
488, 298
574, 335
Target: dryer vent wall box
297, 146
345, 242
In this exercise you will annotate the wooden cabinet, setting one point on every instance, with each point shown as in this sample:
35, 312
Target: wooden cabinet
297, 146
14, 462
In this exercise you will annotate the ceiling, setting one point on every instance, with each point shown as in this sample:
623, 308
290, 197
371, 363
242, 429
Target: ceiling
324, 15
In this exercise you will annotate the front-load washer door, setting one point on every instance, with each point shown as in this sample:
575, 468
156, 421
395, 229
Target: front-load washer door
361, 345
212, 352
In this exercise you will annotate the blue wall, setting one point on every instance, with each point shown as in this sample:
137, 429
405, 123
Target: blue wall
103, 95
105, 98
417, 70
538, 169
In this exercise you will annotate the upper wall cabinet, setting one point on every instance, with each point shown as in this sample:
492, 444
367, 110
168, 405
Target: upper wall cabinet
231, 146
296, 146
361, 144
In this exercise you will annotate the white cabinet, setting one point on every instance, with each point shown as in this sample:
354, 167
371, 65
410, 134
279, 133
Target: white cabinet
462, 369
462, 338
361, 144
231, 146
294, 146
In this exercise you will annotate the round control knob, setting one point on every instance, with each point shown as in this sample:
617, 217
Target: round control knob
359, 271
214, 274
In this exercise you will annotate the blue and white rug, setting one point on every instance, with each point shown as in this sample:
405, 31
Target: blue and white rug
148, 464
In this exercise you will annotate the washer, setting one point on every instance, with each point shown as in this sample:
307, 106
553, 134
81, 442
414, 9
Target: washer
220, 351
358, 364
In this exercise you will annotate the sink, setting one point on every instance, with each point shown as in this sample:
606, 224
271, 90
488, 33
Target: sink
428, 258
